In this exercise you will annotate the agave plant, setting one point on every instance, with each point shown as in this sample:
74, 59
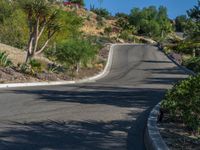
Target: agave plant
4, 60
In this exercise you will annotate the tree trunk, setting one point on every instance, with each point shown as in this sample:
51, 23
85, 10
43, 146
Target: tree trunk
29, 49
27, 57
78, 67
194, 52
162, 34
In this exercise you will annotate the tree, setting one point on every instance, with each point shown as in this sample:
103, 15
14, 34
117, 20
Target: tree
180, 23
193, 27
43, 23
13, 27
14, 30
101, 12
5, 10
164, 22
80, 2
121, 15
74, 52
150, 21
108, 31
194, 13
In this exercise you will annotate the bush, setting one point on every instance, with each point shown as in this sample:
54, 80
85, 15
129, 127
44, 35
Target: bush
193, 64
126, 35
101, 12
33, 67
183, 102
100, 21
4, 60
108, 31
73, 53
13, 27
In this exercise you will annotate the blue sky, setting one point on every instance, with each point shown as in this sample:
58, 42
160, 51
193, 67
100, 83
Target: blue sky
175, 7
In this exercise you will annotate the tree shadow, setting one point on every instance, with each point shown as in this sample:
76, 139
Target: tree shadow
153, 61
87, 134
114, 96
171, 71
74, 135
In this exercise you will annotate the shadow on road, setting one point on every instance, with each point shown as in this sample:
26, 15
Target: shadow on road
74, 135
86, 135
115, 96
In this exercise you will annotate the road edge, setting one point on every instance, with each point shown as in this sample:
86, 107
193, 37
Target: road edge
152, 137
86, 80
90, 79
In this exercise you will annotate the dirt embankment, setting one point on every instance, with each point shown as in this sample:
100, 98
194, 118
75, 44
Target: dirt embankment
17, 56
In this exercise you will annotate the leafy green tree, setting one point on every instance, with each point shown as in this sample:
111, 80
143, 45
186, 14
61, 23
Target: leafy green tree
74, 52
13, 27
121, 15
151, 21
108, 31
122, 23
163, 21
193, 26
81, 2
71, 24
14, 30
180, 23
101, 12
5, 10
192, 31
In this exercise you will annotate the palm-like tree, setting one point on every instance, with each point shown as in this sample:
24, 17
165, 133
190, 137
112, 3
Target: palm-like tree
41, 18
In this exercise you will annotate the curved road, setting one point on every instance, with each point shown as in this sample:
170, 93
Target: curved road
109, 114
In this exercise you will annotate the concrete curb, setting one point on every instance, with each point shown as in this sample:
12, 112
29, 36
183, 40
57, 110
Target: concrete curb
152, 137
180, 66
90, 79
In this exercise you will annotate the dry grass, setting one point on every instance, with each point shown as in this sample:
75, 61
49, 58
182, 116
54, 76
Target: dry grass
18, 56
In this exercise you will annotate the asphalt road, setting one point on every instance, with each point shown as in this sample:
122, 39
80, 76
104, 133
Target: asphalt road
109, 114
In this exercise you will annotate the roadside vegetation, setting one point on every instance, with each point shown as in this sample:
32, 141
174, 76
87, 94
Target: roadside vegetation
181, 105
64, 38
44, 29
183, 102
59, 41
188, 46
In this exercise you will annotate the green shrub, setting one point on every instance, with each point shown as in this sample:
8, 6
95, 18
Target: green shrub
126, 35
4, 60
183, 102
100, 21
101, 12
108, 31
193, 64
24, 68
73, 53
34, 66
